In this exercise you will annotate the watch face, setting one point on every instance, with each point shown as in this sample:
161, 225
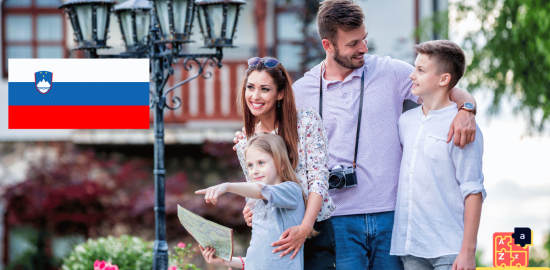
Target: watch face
469, 106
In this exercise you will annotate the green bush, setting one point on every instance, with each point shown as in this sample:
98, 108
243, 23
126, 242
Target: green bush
127, 252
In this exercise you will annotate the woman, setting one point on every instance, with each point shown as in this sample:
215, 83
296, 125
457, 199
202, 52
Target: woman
267, 104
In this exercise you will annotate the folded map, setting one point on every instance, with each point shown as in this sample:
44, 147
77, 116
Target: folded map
208, 233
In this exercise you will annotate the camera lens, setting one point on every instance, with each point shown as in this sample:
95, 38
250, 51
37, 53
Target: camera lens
336, 180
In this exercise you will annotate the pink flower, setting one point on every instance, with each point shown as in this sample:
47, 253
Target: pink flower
181, 245
172, 267
111, 267
99, 265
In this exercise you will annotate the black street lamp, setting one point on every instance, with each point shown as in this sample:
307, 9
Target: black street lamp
218, 21
134, 19
90, 21
169, 22
176, 20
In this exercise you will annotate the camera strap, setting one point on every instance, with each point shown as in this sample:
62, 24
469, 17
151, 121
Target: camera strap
360, 107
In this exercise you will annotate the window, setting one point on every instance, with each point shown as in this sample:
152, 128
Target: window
298, 51
32, 29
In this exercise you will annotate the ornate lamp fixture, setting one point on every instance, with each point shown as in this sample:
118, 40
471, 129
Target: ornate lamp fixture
218, 21
90, 22
135, 21
176, 20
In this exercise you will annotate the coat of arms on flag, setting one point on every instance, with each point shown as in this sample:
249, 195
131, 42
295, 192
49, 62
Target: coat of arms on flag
43, 81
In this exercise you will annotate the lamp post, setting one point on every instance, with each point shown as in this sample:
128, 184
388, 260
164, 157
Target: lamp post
169, 25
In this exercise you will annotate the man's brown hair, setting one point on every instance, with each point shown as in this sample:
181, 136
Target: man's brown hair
448, 58
334, 14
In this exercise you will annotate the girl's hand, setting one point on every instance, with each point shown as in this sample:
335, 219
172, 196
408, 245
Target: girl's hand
208, 254
291, 239
465, 261
238, 136
212, 193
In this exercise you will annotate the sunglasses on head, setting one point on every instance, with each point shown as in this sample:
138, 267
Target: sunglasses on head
268, 62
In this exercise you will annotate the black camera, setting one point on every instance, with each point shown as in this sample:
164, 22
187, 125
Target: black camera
341, 178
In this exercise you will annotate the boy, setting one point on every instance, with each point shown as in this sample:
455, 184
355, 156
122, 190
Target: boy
440, 188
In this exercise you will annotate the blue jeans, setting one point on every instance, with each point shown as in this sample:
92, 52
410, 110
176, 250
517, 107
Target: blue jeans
363, 242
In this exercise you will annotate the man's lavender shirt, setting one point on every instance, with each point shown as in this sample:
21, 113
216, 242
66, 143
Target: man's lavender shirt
387, 85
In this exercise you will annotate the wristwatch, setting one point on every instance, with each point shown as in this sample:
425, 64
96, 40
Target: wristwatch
469, 107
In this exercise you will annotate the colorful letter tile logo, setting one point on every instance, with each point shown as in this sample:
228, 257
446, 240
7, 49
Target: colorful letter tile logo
507, 253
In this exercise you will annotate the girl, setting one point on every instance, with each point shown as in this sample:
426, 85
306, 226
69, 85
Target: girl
267, 104
276, 199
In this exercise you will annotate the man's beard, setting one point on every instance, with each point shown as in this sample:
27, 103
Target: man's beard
346, 62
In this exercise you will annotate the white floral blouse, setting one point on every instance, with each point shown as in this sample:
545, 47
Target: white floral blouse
312, 169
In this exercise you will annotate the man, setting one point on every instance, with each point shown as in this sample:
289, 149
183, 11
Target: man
364, 214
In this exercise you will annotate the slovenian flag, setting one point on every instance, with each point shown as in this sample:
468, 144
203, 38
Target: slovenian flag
78, 94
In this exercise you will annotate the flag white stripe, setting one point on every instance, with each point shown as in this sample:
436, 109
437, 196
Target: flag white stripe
81, 70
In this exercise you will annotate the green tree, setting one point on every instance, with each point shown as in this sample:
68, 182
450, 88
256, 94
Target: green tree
433, 26
510, 54
479, 255
540, 258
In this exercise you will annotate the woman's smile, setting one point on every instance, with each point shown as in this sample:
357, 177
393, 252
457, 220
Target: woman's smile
255, 105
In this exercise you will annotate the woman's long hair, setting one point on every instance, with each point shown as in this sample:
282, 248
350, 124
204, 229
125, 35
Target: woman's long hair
275, 146
286, 116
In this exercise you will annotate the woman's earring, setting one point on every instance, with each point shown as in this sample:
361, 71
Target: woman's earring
279, 103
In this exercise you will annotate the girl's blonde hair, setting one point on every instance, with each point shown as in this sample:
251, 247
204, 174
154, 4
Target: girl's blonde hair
275, 146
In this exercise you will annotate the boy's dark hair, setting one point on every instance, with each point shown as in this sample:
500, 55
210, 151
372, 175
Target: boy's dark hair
334, 14
448, 58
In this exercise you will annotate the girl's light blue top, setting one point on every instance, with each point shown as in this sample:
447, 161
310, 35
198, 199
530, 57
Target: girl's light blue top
283, 209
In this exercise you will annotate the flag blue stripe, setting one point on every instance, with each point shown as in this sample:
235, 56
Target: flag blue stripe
80, 93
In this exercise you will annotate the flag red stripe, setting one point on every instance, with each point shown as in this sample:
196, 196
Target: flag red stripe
78, 117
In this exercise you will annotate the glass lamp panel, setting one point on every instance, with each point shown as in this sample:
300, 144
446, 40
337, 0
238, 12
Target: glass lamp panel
231, 13
126, 21
162, 12
202, 20
49, 27
18, 27
101, 17
215, 14
84, 14
143, 23
180, 11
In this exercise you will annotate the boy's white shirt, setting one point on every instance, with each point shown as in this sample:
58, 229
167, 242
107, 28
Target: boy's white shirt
435, 178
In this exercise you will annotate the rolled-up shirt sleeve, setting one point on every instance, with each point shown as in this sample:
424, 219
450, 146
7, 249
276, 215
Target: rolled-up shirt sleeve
316, 155
285, 195
468, 163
